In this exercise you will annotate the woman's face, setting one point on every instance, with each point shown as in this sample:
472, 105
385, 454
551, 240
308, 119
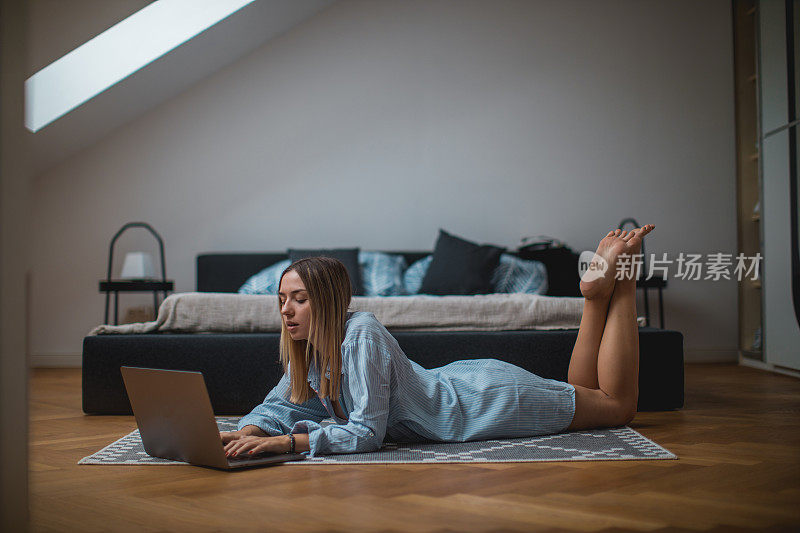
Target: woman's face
295, 307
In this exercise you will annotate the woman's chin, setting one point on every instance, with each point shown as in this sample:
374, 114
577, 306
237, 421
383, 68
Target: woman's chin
297, 335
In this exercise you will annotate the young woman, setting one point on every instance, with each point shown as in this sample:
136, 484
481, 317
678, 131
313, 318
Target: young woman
347, 366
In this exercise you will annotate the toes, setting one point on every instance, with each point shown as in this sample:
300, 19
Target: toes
634, 235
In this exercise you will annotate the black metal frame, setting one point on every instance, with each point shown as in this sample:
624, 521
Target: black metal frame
116, 287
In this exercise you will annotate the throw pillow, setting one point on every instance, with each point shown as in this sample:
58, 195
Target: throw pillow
518, 275
266, 281
413, 276
460, 267
382, 273
348, 256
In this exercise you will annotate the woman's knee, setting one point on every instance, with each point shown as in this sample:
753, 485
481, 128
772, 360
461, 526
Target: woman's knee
625, 412
622, 410
594, 408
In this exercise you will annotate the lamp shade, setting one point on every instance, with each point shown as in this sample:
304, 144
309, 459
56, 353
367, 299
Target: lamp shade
138, 265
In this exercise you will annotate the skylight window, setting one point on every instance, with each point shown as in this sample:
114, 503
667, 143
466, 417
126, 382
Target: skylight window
117, 53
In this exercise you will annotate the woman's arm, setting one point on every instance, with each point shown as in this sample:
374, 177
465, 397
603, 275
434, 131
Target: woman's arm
368, 372
276, 415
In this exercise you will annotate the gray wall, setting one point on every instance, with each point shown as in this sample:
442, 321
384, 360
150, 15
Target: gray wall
375, 123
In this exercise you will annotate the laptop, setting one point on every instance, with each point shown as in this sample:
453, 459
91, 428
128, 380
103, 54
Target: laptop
176, 421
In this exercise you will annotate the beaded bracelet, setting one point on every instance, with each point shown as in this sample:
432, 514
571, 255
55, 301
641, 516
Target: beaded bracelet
291, 447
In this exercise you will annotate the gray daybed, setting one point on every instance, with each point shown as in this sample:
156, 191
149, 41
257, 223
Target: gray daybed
241, 367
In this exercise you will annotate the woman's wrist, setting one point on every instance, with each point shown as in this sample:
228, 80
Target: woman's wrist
253, 430
301, 443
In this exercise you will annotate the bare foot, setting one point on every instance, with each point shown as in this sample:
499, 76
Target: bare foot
599, 280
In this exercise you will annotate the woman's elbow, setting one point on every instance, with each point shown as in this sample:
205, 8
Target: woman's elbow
369, 443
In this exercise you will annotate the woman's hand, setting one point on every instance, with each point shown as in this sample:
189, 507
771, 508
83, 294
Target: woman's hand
251, 445
230, 436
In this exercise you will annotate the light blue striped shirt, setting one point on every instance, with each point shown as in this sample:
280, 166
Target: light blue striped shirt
387, 396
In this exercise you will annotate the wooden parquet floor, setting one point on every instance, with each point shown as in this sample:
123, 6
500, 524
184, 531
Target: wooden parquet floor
737, 439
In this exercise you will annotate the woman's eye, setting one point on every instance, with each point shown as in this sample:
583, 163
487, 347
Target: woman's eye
301, 300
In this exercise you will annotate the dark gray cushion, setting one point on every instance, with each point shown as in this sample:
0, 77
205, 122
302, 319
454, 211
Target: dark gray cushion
460, 267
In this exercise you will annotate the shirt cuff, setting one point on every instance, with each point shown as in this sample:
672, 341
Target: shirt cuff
317, 442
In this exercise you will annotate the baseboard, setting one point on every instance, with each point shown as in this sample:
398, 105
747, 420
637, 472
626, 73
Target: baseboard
56, 361
761, 365
711, 355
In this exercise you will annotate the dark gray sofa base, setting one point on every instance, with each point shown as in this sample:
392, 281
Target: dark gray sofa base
240, 369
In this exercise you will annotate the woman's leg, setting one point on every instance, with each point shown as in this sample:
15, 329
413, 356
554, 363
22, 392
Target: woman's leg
597, 294
618, 357
613, 401
583, 361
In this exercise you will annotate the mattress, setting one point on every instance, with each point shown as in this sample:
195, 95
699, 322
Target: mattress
200, 312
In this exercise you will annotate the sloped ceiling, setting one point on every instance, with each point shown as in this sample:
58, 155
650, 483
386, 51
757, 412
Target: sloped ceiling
165, 78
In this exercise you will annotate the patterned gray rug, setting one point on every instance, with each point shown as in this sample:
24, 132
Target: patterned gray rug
594, 445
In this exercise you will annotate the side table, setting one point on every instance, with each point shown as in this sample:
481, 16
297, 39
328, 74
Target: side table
134, 285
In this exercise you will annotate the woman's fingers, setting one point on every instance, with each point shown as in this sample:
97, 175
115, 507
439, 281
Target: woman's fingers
235, 446
228, 436
262, 447
248, 447
253, 445
268, 445
241, 445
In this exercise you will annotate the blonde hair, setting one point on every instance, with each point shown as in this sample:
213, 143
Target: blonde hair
328, 287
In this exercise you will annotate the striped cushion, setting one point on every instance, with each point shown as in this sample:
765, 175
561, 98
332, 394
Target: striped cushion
266, 281
412, 279
519, 275
381, 273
